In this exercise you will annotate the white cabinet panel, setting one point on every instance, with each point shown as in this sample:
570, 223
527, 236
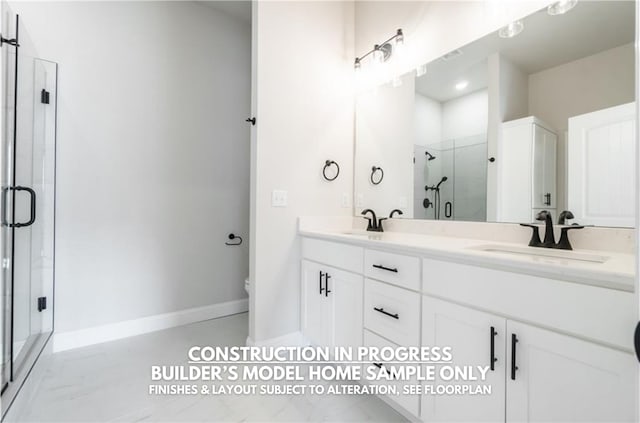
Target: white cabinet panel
331, 305
605, 315
544, 168
392, 312
601, 167
316, 308
526, 169
469, 333
564, 379
410, 403
347, 294
335, 254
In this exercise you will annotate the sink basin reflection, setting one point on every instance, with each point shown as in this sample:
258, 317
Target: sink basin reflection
542, 252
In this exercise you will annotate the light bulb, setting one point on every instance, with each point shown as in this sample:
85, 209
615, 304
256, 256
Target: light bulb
378, 54
399, 38
511, 30
561, 7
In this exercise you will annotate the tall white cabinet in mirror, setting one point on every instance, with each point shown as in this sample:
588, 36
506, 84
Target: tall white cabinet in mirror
526, 170
601, 166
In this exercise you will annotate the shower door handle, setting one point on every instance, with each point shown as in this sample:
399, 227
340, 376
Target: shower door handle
447, 209
32, 217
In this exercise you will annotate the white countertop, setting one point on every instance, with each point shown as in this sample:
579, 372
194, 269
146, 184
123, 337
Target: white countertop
617, 272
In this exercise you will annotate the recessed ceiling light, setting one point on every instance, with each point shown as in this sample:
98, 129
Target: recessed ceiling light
561, 7
462, 85
511, 30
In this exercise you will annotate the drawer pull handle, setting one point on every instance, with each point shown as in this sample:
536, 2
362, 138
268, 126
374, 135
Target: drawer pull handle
386, 313
320, 282
388, 269
326, 284
379, 366
493, 358
514, 341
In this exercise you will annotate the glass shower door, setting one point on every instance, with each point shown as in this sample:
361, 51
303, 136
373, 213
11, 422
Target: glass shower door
29, 92
33, 192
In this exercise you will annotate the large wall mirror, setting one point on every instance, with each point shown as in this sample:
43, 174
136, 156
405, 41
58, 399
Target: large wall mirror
537, 116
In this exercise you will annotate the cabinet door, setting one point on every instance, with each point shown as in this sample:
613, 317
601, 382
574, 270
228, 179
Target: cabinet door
562, 378
317, 317
345, 294
544, 168
469, 333
601, 166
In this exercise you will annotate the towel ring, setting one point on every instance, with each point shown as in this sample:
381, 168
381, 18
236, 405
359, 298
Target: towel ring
234, 237
375, 170
328, 164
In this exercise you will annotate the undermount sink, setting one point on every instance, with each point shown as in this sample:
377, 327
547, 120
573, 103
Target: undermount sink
542, 252
364, 234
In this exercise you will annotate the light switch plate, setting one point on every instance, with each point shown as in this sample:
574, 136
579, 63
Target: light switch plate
279, 198
346, 200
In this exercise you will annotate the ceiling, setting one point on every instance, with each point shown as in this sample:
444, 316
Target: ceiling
546, 41
239, 9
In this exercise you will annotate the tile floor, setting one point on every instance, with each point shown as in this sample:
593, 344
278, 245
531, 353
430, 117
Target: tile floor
109, 382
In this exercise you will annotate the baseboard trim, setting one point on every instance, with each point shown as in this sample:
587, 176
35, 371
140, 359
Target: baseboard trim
111, 332
293, 339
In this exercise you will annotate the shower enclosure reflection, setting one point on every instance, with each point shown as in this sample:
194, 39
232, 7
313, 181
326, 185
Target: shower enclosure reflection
450, 179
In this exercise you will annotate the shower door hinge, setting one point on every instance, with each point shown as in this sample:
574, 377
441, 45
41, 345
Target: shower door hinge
11, 42
42, 303
44, 96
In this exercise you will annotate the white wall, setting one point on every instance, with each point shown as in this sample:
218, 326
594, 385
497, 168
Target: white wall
427, 120
465, 116
585, 85
303, 59
508, 100
385, 128
152, 155
513, 93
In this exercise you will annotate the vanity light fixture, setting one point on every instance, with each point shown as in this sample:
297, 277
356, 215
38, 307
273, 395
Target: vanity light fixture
561, 7
462, 85
511, 30
383, 51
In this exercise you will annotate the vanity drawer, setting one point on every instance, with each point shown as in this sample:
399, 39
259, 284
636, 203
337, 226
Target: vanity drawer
342, 256
397, 269
392, 312
411, 403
